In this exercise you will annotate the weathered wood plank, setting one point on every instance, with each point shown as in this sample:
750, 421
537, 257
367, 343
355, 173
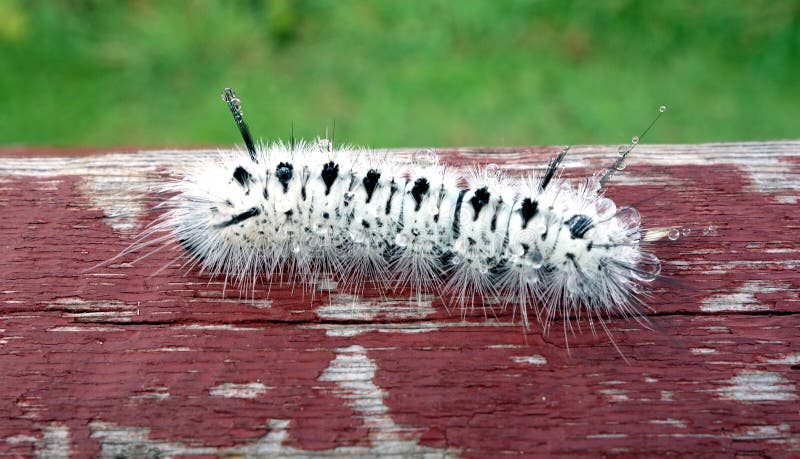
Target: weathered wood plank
117, 361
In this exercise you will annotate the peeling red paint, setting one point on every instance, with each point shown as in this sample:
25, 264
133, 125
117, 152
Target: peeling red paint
472, 389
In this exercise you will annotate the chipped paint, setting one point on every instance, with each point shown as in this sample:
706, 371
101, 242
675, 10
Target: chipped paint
55, 442
453, 384
702, 350
78, 329
787, 359
232, 390
760, 432
353, 374
155, 393
615, 395
352, 307
215, 327
349, 330
757, 386
669, 422
95, 311
116, 183
534, 359
743, 298
609, 435
17, 439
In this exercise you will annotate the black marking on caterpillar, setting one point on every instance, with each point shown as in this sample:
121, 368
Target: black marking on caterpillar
370, 181
538, 242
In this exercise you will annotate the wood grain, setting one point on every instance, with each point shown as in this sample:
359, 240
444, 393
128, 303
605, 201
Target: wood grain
115, 361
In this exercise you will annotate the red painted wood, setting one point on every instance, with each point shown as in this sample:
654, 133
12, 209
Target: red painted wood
90, 355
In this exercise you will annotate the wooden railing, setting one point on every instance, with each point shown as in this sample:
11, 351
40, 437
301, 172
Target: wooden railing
120, 361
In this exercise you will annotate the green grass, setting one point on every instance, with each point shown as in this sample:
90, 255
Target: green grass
402, 73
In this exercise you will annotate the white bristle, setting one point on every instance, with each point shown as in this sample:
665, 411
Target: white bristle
307, 213
303, 213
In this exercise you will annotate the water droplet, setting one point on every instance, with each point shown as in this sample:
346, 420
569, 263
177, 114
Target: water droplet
605, 208
537, 229
296, 249
710, 230
622, 150
633, 237
686, 231
593, 185
620, 165
662, 108
484, 269
628, 218
635, 139
425, 157
648, 267
673, 234
492, 170
324, 145
401, 240
455, 261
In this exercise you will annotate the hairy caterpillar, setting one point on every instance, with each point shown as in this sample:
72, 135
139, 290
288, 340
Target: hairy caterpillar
301, 211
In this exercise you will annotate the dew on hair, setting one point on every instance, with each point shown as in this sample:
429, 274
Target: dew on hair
635, 139
425, 157
710, 230
605, 208
673, 234
623, 150
455, 261
595, 183
628, 218
648, 267
662, 109
686, 231
492, 170
324, 145
620, 165
538, 228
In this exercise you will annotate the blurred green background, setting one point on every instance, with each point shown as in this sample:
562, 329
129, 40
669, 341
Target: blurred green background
398, 73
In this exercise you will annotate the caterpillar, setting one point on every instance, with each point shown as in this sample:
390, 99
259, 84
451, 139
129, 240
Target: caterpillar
301, 211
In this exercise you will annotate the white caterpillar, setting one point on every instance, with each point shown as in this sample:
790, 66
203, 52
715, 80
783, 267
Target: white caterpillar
301, 211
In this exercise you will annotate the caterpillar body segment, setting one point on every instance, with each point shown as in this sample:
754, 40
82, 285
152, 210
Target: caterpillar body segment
303, 212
